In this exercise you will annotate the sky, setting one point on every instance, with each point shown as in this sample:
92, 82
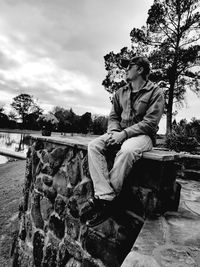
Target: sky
54, 50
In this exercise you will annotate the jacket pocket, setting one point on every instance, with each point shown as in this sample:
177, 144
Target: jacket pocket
141, 107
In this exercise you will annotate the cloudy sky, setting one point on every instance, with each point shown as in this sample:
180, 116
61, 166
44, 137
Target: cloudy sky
54, 49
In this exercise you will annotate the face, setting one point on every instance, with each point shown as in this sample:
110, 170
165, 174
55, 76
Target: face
132, 72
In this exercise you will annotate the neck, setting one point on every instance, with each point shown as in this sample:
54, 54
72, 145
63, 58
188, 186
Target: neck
138, 83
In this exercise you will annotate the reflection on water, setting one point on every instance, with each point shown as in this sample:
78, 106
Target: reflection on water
13, 142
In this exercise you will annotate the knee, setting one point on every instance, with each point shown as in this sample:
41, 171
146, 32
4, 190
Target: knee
94, 145
127, 151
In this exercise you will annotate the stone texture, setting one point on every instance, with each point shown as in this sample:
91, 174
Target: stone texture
36, 212
38, 244
57, 225
57, 186
50, 251
60, 205
172, 239
63, 255
135, 259
47, 180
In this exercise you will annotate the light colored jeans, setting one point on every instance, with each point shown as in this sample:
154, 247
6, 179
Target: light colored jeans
107, 185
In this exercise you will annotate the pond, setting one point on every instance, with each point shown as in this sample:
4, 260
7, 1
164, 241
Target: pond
13, 142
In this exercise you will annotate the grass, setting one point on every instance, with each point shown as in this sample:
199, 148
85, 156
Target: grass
11, 182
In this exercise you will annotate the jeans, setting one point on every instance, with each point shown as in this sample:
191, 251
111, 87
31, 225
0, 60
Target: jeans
108, 184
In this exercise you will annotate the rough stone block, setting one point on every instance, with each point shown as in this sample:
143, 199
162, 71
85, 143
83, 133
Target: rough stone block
57, 225
63, 255
56, 158
36, 212
46, 208
38, 244
47, 180
82, 192
29, 226
59, 183
73, 227
50, 251
50, 193
45, 156
39, 184
73, 170
39, 168
60, 204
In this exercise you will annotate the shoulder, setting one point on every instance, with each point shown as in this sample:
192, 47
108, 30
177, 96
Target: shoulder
155, 88
122, 90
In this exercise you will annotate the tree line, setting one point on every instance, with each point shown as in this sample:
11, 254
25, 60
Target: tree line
26, 114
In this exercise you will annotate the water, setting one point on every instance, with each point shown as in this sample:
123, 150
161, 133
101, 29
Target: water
13, 142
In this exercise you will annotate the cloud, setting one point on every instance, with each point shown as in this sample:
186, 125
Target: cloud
54, 50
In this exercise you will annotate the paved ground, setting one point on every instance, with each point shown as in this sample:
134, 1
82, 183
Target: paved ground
172, 240
11, 181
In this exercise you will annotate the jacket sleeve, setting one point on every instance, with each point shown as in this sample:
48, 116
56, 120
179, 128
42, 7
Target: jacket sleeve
149, 124
115, 116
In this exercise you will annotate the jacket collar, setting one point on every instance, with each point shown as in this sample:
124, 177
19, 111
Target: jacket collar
148, 86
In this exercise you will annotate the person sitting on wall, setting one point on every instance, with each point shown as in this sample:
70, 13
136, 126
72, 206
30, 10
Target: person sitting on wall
132, 125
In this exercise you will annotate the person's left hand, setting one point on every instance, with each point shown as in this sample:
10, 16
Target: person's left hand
117, 138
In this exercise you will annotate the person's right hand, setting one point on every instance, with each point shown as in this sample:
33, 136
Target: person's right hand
109, 138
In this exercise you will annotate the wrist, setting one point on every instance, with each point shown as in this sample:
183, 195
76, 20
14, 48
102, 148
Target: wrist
125, 134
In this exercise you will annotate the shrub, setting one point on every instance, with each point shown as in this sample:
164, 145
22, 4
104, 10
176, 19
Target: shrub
184, 136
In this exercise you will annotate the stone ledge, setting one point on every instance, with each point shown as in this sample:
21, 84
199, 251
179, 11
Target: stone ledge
82, 143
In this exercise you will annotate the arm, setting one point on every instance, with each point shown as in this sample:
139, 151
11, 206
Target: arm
115, 116
150, 122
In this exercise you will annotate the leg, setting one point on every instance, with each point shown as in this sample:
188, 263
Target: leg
131, 150
98, 168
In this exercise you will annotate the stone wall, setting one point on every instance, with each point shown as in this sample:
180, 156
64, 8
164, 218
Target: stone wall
56, 188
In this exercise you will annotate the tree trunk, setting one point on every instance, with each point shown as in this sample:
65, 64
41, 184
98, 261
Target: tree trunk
170, 106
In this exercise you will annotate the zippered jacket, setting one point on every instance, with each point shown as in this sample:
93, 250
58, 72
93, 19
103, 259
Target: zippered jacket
137, 113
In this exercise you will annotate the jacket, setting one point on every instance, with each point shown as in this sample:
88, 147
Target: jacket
137, 113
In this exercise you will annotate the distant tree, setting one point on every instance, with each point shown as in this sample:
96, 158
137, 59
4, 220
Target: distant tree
99, 124
31, 119
48, 121
4, 120
171, 42
64, 118
24, 104
85, 122
12, 115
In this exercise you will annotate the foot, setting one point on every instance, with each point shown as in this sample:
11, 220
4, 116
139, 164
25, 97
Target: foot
95, 211
88, 209
101, 213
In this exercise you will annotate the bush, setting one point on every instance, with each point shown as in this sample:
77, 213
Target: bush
184, 136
